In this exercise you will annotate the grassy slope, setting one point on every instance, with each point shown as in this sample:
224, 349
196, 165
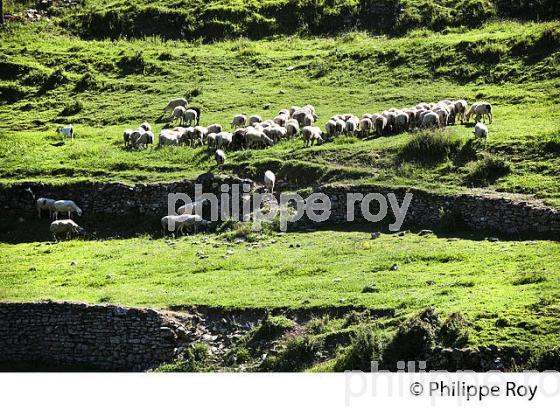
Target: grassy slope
351, 73
147, 272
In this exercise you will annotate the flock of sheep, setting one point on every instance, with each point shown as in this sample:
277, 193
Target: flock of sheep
60, 227
254, 132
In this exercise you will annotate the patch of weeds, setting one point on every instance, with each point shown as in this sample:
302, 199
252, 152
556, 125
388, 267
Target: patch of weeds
547, 360
430, 147
194, 359
72, 108
132, 64
86, 82
272, 327
370, 289
454, 332
529, 279
486, 171
366, 346
55, 80
298, 353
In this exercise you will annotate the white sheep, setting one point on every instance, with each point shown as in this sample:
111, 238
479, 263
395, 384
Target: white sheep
65, 227
312, 135
214, 128
481, 132
365, 127
269, 181
460, 109
211, 139
281, 120
146, 126
176, 102
168, 137
292, 126
330, 128
239, 121
220, 157
256, 136
191, 207
67, 206
173, 223
190, 117
379, 123
401, 121
351, 126
195, 222
178, 114
430, 120
480, 109
138, 139
45, 204
224, 139
67, 132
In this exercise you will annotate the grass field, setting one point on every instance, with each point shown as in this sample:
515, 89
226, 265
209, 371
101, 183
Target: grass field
514, 66
515, 281
51, 74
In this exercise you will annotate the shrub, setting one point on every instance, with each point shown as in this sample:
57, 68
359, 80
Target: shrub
195, 359
130, 64
365, 347
72, 108
431, 146
454, 331
86, 82
474, 13
548, 360
298, 353
413, 340
55, 80
11, 92
270, 328
486, 171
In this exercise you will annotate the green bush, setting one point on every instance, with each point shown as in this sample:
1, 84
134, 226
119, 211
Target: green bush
55, 80
430, 147
454, 331
486, 171
86, 82
195, 359
272, 327
132, 64
365, 347
548, 360
413, 340
298, 353
11, 92
72, 108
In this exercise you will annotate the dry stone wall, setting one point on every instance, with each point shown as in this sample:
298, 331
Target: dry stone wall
81, 336
427, 210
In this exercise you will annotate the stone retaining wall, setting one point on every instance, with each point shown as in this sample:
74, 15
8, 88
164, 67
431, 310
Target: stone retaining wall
427, 210
80, 336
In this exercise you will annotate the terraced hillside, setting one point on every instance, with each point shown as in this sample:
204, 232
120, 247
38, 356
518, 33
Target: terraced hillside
65, 71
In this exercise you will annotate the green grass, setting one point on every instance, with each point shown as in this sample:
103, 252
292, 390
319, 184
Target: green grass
482, 280
59, 79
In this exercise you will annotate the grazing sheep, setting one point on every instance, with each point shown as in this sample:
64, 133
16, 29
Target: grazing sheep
312, 135
308, 120
126, 137
254, 119
224, 139
146, 126
281, 120
66, 206
239, 121
195, 222
198, 112
276, 133
178, 114
480, 109
215, 128
269, 181
190, 117
173, 223
238, 139
365, 127
379, 124
65, 227
292, 126
284, 112
67, 132
220, 157
481, 132
141, 139
351, 126
192, 207
45, 204
430, 120
198, 134
460, 109
300, 115
172, 104
168, 137
401, 121
258, 137
211, 139
330, 128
